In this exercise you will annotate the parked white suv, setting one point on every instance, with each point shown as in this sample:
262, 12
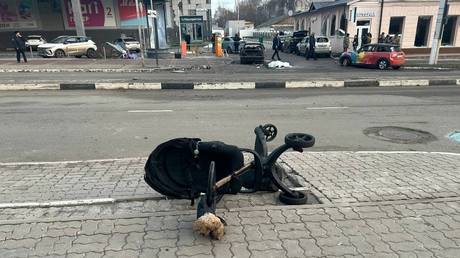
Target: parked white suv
68, 46
34, 41
128, 43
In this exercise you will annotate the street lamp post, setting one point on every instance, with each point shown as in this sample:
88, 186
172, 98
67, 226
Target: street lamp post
442, 15
141, 41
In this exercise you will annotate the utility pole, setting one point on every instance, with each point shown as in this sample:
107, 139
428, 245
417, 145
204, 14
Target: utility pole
78, 18
440, 22
141, 41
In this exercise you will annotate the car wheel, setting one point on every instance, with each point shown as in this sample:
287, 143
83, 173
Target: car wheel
345, 61
382, 64
396, 67
229, 50
59, 53
91, 53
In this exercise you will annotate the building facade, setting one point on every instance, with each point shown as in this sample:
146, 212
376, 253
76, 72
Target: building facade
104, 20
412, 20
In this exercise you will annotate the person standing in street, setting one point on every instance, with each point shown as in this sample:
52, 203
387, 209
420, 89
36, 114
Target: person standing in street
382, 38
188, 40
237, 40
311, 47
355, 42
346, 42
276, 46
19, 45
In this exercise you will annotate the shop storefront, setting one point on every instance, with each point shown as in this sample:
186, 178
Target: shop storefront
412, 21
104, 20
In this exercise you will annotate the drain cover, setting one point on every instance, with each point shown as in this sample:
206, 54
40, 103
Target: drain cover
399, 134
454, 136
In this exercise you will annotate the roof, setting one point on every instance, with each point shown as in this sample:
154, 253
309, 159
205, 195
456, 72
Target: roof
273, 21
321, 5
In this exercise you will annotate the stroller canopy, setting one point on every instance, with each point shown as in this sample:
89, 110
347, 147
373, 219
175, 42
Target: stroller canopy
179, 167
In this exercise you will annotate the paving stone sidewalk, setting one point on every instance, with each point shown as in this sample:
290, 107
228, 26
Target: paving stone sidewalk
373, 230
374, 205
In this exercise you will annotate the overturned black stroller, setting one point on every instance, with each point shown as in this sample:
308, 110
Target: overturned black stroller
186, 168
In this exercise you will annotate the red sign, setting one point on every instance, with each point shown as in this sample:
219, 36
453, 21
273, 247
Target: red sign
127, 12
93, 13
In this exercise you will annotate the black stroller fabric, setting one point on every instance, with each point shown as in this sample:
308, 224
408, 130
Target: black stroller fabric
175, 169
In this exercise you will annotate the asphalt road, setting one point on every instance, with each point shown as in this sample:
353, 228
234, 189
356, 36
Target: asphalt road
57, 125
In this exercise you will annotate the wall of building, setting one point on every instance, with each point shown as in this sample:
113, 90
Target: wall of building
410, 10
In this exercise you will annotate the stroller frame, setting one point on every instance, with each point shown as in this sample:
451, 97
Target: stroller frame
264, 166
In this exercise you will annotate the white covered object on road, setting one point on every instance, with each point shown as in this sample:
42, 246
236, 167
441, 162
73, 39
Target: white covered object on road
279, 64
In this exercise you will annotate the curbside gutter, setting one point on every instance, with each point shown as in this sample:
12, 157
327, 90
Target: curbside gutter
227, 85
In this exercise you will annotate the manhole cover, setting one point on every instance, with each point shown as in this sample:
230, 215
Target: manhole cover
454, 136
399, 134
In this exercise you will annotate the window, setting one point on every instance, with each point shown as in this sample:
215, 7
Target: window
423, 28
208, 1
396, 25
343, 22
449, 31
188, 1
324, 28
333, 21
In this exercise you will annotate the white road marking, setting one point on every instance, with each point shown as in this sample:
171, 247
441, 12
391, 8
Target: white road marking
151, 111
322, 108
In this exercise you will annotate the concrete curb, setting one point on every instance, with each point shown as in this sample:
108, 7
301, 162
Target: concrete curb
227, 85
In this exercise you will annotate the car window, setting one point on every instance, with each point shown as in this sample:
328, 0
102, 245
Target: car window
130, 40
383, 49
395, 48
226, 39
59, 40
34, 37
322, 40
71, 40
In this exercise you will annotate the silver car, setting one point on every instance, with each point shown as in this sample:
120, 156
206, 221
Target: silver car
323, 46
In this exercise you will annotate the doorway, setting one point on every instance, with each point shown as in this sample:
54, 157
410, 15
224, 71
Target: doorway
363, 27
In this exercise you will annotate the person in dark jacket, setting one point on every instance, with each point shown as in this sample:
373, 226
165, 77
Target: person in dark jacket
19, 45
311, 47
237, 40
188, 40
276, 46
355, 42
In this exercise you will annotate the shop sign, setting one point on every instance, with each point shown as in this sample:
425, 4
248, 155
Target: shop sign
191, 19
128, 14
362, 14
17, 14
96, 13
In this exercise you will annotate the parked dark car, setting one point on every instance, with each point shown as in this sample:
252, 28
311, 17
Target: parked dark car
252, 53
294, 40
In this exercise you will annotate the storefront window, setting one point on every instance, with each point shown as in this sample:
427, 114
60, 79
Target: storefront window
396, 25
423, 29
449, 31
333, 21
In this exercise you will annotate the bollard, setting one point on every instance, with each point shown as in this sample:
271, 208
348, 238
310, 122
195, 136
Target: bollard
183, 46
218, 46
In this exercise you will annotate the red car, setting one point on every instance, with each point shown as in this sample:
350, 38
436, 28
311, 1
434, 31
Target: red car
379, 55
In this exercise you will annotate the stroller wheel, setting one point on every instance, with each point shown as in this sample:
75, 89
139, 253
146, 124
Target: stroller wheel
290, 200
270, 132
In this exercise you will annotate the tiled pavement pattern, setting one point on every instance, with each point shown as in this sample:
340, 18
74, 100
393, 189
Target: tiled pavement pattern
76, 180
347, 177
373, 230
400, 224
